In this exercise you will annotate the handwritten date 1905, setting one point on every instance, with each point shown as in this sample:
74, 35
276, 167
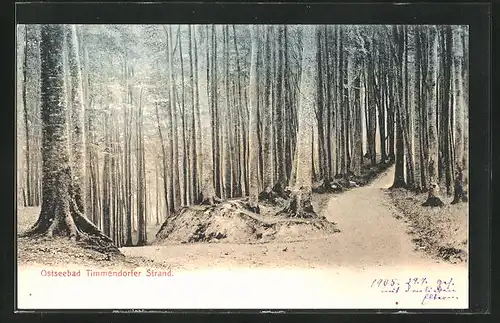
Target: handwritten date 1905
384, 282
429, 287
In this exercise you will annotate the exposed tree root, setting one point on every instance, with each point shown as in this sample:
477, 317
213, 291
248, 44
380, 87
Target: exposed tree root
462, 197
211, 200
327, 186
208, 197
300, 205
141, 243
231, 222
252, 206
268, 195
432, 198
338, 176
398, 184
274, 197
433, 201
68, 220
281, 191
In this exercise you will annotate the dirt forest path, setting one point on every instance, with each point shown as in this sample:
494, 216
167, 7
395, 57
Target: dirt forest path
333, 271
369, 231
370, 237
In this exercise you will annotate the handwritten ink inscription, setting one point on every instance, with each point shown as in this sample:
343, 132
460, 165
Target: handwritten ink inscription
429, 289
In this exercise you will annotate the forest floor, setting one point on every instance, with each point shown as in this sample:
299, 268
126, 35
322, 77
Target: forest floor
441, 232
376, 225
275, 220
370, 235
42, 251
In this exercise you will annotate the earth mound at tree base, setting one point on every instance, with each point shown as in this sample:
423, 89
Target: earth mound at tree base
231, 222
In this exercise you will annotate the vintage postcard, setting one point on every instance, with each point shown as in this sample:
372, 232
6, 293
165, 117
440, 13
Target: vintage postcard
175, 166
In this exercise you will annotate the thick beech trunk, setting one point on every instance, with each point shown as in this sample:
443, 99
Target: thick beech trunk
60, 214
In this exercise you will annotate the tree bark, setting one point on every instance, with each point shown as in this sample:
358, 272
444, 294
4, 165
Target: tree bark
27, 132
253, 123
267, 116
431, 95
59, 214
194, 130
458, 99
77, 156
308, 83
399, 180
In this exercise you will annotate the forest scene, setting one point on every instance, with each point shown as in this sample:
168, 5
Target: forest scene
254, 145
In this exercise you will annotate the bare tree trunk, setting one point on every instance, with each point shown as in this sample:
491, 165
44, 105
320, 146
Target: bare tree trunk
77, 154
308, 83
164, 159
320, 108
465, 93
390, 120
59, 213
185, 150
194, 130
208, 193
286, 105
347, 108
227, 148
382, 70
128, 157
372, 104
406, 119
141, 177
399, 180
358, 141
419, 116
254, 97
26, 121
267, 116
446, 107
174, 146
157, 190
106, 199
342, 137
280, 149
244, 127
300, 202
431, 91
329, 111
215, 120
199, 148
458, 98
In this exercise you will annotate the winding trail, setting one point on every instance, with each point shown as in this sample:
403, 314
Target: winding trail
370, 236
370, 232
322, 272
336, 271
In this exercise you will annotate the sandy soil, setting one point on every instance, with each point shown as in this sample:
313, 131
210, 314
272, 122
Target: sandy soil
332, 271
370, 236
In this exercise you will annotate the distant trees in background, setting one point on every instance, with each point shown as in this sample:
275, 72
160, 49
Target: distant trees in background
164, 116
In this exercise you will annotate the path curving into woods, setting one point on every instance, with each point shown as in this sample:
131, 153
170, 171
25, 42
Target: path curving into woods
370, 232
370, 236
333, 271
